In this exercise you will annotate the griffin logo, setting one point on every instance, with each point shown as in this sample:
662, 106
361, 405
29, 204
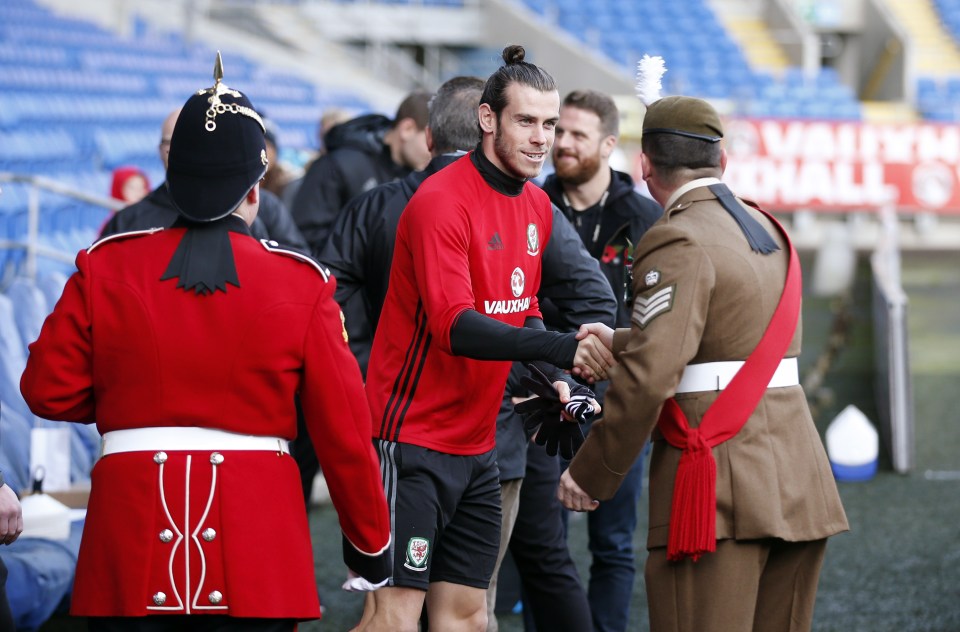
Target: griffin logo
533, 240
418, 550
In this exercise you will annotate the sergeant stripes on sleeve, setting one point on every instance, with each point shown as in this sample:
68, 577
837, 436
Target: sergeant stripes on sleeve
645, 309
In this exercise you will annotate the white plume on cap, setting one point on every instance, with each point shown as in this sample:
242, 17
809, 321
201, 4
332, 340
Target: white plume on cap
649, 71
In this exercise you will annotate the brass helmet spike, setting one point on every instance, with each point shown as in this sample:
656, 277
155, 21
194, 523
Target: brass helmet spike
220, 89
218, 70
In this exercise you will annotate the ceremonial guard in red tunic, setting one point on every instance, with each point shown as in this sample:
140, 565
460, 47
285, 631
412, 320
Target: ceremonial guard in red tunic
187, 347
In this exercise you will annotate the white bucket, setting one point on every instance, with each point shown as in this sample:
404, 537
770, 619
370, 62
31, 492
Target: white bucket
852, 445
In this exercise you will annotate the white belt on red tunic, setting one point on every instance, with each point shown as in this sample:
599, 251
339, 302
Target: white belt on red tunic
186, 438
715, 376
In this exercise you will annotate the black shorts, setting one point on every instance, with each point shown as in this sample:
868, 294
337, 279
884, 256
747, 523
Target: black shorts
444, 514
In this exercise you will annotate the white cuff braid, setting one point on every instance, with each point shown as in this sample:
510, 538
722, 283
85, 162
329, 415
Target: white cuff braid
355, 583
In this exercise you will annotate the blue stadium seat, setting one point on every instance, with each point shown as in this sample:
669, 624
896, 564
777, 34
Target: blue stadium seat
13, 359
29, 309
75, 97
701, 58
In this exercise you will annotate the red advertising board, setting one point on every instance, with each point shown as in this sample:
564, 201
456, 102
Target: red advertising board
841, 166
789, 164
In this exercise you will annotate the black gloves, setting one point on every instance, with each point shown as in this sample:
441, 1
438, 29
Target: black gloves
555, 433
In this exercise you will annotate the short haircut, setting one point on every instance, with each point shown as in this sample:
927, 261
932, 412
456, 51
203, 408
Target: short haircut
453, 115
672, 153
514, 70
415, 106
600, 104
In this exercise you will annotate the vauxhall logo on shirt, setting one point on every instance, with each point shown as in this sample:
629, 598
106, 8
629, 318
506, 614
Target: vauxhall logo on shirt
517, 282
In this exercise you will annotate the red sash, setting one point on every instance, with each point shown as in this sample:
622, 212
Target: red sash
693, 513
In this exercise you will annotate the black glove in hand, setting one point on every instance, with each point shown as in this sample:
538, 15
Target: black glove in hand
545, 410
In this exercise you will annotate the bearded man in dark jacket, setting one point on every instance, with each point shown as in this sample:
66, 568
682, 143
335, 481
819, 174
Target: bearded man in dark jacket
610, 217
361, 153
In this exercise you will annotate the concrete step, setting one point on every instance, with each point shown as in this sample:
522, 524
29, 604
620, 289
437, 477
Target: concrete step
935, 51
888, 112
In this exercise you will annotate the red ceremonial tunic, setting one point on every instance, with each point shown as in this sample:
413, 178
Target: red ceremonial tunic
206, 531
460, 245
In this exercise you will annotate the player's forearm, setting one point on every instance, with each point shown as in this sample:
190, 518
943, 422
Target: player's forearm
476, 336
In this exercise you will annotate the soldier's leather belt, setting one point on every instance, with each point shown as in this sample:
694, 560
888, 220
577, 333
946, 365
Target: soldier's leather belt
715, 376
186, 438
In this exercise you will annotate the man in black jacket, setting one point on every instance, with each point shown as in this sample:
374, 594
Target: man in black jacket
361, 153
157, 210
610, 217
359, 253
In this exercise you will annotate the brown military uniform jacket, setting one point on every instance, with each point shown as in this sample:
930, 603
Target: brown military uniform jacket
702, 295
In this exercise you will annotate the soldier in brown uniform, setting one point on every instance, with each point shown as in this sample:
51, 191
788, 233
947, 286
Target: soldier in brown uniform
741, 545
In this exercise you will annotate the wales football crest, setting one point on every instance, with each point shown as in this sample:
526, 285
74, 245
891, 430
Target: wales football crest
418, 551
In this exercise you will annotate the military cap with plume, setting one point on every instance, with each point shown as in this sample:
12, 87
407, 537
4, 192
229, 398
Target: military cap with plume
683, 116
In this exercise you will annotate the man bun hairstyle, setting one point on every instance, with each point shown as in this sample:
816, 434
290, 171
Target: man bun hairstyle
514, 70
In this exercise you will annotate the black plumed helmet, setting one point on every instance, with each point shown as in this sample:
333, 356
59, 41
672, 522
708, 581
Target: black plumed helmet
217, 152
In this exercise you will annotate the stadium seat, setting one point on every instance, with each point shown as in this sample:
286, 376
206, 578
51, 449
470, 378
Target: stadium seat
702, 59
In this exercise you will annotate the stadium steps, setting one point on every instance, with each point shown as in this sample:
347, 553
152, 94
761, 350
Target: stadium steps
888, 112
745, 24
935, 52
760, 48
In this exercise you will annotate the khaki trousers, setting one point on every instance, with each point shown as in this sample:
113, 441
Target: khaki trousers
509, 506
747, 586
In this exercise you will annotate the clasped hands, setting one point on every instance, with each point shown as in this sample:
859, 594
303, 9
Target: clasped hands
594, 355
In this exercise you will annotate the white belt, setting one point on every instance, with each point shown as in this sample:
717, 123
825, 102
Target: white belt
186, 438
715, 376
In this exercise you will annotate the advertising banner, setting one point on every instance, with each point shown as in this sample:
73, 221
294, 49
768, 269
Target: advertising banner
841, 166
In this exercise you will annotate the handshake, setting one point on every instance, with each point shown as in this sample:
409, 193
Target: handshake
594, 355
558, 409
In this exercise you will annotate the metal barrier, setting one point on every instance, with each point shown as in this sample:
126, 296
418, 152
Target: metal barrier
31, 245
894, 390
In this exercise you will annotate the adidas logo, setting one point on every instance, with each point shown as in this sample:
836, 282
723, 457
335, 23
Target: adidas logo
495, 242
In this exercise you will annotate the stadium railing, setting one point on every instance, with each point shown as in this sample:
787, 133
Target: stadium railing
31, 243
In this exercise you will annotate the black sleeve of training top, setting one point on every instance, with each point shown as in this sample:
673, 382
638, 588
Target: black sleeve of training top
482, 338
548, 369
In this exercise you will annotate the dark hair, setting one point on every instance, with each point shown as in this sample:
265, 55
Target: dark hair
671, 154
453, 115
415, 106
600, 104
515, 70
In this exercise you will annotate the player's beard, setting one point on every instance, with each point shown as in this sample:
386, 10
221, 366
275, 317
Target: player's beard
507, 156
580, 171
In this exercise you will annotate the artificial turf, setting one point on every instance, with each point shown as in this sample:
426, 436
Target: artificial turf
898, 569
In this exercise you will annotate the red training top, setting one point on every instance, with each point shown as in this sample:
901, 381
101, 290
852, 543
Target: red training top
460, 245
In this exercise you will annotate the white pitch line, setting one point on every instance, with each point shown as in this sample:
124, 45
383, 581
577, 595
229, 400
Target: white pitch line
942, 475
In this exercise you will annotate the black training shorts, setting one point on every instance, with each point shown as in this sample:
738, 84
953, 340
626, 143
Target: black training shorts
444, 514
